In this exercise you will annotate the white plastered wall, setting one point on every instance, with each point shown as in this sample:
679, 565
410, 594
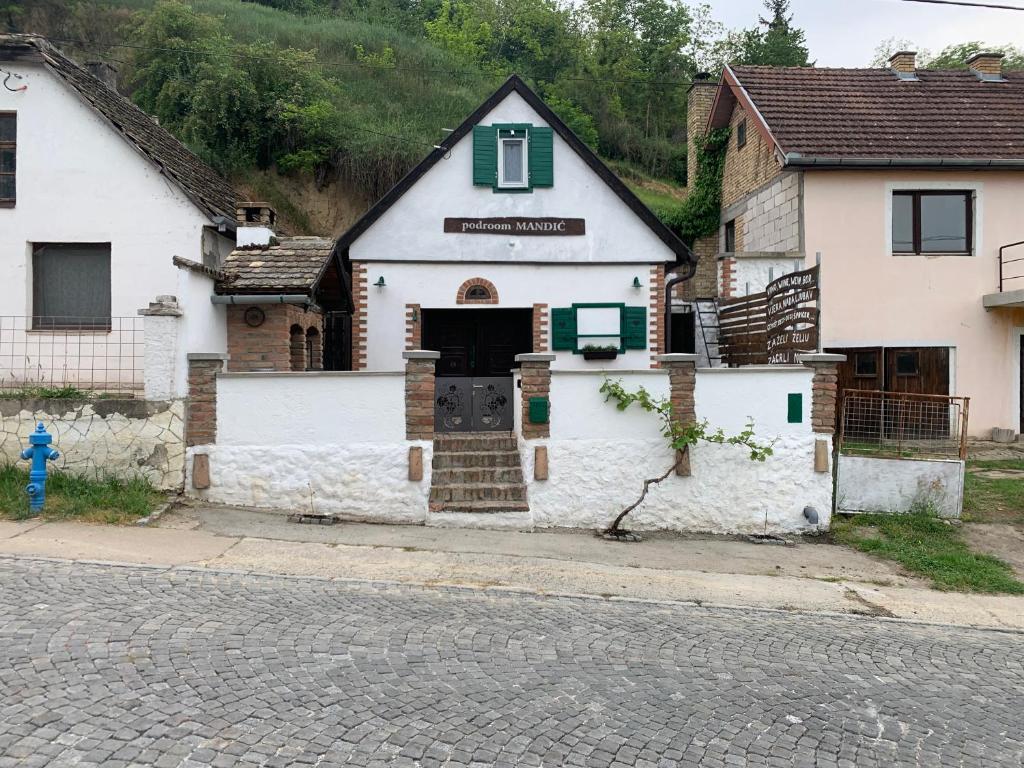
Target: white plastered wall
80, 182
329, 442
599, 457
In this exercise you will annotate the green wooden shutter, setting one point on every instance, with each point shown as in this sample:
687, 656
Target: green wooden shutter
541, 154
485, 155
634, 327
563, 329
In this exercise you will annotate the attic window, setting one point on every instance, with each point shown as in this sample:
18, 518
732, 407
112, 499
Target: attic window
478, 293
741, 134
512, 161
8, 152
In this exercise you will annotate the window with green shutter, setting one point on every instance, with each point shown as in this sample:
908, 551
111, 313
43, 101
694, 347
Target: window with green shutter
599, 324
513, 157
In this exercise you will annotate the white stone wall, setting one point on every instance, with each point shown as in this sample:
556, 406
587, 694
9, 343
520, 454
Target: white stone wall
99, 438
751, 272
869, 484
329, 442
599, 457
770, 216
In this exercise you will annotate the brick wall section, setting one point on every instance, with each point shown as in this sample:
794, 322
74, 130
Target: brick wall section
460, 297
413, 326
748, 168
704, 283
201, 409
825, 390
727, 277
270, 346
682, 380
359, 288
699, 100
657, 310
768, 218
419, 394
536, 382
540, 327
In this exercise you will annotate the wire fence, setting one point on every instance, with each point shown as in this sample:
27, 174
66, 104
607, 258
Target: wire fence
95, 355
903, 425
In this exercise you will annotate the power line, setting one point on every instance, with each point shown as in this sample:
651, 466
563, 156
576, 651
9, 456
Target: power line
967, 4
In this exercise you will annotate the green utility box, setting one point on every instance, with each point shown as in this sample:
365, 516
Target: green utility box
540, 408
795, 409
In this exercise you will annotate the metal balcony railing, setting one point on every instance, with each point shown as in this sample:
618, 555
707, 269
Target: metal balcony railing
1016, 273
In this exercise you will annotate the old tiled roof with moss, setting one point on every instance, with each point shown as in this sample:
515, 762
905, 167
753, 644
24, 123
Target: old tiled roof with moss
873, 114
288, 265
200, 183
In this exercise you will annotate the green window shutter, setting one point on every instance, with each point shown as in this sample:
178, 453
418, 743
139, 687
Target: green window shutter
541, 154
634, 327
563, 329
485, 155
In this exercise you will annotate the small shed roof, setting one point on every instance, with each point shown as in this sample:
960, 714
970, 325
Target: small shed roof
288, 265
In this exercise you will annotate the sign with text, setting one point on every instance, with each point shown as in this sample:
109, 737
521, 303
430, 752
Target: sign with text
517, 225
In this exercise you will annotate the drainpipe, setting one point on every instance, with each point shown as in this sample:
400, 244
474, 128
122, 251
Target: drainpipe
691, 270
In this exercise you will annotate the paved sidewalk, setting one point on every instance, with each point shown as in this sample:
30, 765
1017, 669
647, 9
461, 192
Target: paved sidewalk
713, 570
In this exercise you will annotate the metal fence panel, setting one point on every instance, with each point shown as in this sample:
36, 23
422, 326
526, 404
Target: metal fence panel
903, 425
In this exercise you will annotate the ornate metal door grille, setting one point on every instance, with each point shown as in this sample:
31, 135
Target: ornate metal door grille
473, 404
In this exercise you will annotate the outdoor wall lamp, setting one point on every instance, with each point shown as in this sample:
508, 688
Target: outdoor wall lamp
380, 282
636, 283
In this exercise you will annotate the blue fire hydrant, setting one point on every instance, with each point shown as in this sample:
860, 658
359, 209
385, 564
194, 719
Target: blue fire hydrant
38, 453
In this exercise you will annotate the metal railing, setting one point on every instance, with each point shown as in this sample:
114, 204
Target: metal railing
96, 355
903, 425
1003, 261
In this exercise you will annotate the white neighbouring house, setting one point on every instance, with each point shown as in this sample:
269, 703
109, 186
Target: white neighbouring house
472, 291
95, 201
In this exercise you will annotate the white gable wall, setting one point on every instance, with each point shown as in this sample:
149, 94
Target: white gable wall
412, 229
79, 181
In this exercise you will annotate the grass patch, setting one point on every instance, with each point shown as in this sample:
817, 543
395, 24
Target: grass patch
994, 500
45, 393
926, 545
71, 497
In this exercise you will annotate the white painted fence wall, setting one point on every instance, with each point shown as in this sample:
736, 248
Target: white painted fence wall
331, 441
599, 457
872, 484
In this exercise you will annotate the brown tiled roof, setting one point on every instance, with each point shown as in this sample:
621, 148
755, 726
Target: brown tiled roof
291, 265
869, 113
200, 183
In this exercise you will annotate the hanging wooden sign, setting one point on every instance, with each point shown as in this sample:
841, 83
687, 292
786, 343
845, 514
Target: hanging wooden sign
517, 225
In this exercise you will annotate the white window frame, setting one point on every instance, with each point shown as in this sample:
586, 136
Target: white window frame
503, 183
977, 187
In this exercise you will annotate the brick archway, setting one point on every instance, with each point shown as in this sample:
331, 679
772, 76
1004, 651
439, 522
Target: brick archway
477, 290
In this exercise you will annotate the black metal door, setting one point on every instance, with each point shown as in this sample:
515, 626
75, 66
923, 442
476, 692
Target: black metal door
473, 404
337, 341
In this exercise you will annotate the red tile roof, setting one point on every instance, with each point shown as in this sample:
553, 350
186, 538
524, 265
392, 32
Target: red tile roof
871, 114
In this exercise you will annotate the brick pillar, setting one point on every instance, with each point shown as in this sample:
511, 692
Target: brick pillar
535, 370
682, 379
727, 277
419, 393
657, 306
825, 388
201, 413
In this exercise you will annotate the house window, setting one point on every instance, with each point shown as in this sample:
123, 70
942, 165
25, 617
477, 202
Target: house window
906, 363
8, 156
730, 236
866, 364
598, 325
512, 162
71, 286
741, 134
932, 222
478, 293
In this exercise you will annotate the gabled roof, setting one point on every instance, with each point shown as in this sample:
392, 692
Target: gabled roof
514, 83
872, 118
289, 265
200, 183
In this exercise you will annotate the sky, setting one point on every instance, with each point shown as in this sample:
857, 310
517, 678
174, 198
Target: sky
845, 33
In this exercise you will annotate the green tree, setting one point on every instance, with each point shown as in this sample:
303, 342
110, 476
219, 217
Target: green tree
777, 43
956, 56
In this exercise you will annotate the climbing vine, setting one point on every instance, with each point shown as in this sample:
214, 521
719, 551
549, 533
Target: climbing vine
679, 436
700, 214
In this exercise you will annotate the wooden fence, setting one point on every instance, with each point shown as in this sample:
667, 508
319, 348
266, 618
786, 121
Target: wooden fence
773, 326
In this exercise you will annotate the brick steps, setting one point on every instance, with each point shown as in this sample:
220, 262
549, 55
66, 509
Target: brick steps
477, 473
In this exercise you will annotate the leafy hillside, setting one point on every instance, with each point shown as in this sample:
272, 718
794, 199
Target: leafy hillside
357, 91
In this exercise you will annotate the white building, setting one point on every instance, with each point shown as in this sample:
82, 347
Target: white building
95, 200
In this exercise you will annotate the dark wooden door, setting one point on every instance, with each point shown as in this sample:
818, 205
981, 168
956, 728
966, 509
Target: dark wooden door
477, 342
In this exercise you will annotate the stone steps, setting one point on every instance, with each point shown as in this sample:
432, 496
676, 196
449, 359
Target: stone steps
475, 473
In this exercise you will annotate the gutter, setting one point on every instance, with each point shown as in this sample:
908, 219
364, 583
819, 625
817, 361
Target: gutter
263, 298
796, 160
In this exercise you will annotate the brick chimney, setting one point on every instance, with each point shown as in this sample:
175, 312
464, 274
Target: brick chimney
904, 64
104, 72
699, 100
987, 66
255, 223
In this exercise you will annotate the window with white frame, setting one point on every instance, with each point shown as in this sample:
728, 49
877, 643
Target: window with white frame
512, 161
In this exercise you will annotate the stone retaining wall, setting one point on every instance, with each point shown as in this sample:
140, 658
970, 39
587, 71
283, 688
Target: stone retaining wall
97, 438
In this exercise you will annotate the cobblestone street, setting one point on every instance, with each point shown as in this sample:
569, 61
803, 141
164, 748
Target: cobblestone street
115, 666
